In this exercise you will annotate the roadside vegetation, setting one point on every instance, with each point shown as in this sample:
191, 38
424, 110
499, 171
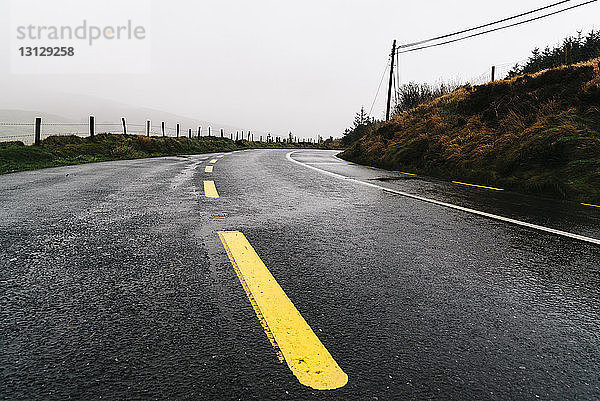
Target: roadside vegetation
535, 133
573, 49
62, 150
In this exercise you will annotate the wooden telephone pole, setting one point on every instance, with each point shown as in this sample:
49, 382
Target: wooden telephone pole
389, 98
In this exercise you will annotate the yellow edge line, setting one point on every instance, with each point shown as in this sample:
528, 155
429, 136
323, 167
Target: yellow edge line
297, 344
208, 169
213, 161
402, 172
589, 204
210, 191
478, 186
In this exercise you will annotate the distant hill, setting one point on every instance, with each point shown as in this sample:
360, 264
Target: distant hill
24, 133
77, 108
27, 116
537, 133
69, 109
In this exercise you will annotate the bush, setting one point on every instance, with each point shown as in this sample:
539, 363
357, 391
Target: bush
145, 143
60, 140
412, 94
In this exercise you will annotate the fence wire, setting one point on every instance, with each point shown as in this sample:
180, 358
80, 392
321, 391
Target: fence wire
25, 132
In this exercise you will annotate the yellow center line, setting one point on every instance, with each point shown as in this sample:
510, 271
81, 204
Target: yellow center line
589, 204
478, 186
213, 161
402, 172
218, 157
210, 191
297, 344
208, 169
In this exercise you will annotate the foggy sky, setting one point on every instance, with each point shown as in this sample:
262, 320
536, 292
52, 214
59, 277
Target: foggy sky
302, 66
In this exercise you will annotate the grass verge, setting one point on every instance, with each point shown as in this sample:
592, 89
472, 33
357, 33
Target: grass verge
66, 150
536, 134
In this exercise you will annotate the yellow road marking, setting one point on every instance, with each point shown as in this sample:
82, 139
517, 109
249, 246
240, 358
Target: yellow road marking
208, 169
218, 157
402, 172
305, 355
210, 191
478, 186
589, 204
213, 161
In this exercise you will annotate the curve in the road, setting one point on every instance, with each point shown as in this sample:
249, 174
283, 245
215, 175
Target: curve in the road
452, 206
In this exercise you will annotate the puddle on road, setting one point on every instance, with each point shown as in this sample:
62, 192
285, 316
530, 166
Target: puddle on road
185, 175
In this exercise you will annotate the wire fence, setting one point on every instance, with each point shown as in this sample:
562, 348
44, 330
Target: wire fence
26, 132
497, 72
38, 130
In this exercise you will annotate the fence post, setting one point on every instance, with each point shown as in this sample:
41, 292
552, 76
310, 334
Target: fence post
209, 129
190, 133
199, 131
162, 128
493, 72
92, 126
221, 132
124, 125
177, 129
38, 131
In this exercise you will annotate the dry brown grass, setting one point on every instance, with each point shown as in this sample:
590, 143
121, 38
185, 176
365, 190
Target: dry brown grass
530, 131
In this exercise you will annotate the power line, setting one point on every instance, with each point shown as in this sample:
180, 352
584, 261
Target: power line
387, 65
482, 26
497, 29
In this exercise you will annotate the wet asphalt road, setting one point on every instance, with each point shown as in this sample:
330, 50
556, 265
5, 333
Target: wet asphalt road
114, 284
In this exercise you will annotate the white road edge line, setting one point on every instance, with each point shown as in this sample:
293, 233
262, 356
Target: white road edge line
452, 206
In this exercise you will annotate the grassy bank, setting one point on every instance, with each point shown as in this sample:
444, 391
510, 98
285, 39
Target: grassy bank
69, 149
537, 133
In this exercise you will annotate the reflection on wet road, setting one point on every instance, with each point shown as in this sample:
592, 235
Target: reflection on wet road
115, 283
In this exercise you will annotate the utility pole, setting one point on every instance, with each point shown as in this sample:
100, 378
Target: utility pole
389, 99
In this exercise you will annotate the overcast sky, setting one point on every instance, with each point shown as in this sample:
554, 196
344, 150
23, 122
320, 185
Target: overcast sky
303, 66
